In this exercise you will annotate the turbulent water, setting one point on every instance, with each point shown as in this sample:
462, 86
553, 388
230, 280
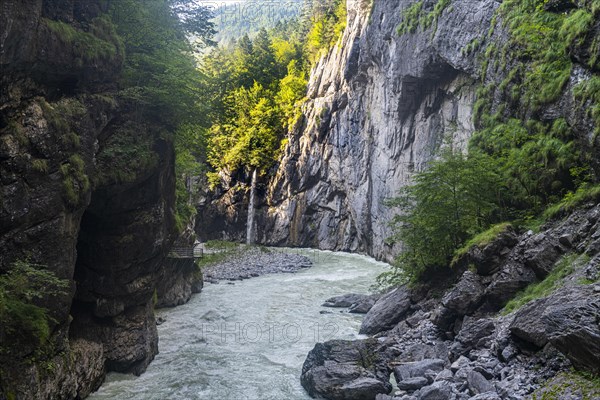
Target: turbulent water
248, 341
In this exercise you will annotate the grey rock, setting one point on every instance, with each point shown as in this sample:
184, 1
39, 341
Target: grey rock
528, 324
445, 375
512, 278
486, 396
478, 383
461, 362
417, 369
387, 311
473, 335
573, 327
466, 296
488, 259
438, 391
345, 300
542, 255
364, 306
342, 370
412, 384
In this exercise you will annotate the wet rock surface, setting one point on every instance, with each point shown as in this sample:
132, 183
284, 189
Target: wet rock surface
250, 263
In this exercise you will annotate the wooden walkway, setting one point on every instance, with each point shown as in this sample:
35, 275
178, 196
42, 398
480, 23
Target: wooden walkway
189, 252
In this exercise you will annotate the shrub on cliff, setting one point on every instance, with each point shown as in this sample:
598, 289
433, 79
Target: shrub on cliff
455, 198
21, 315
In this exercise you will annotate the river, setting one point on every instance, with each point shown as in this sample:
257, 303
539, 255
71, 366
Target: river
248, 341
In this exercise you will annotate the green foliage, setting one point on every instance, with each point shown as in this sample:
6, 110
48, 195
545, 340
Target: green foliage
257, 87
416, 16
21, 317
482, 239
588, 94
189, 149
40, 165
233, 21
455, 198
160, 75
126, 154
585, 386
221, 245
76, 183
328, 25
572, 200
100, 43
552, 282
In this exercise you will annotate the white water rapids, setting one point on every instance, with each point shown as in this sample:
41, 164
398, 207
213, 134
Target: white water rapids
248, 341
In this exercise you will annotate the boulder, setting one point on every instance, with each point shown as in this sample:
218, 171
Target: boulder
569, 320
511, 279
440, 390
573, 327
489, 258
364, 306
345, 300
542, 254
417, 369
466, 296
412, 384
478, 384
473, 335
528, 324
346, 370
387, 311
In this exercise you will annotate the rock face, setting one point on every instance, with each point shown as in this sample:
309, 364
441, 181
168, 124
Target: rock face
62, 205
379, 108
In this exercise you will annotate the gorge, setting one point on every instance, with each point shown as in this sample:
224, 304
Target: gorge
91, 187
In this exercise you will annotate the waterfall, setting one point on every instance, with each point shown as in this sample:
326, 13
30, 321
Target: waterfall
251, 211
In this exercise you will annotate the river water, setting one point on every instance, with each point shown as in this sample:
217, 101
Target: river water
248, 341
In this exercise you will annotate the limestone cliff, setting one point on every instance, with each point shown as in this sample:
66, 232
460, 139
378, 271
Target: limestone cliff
76, 200
380, 104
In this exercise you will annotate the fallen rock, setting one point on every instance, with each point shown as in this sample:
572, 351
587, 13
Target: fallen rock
466, 296
542, 256
473, 335
387, 311
364, 306
346, 370
412, 384
437, 391
489, 258
573, 327
345, 300
417, 369
478, 384
528, 324
512, 278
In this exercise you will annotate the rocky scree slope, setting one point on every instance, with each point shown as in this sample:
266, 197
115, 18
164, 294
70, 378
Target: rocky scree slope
459, 346
76, 199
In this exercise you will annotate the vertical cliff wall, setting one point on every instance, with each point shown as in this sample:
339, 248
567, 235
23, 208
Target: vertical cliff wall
380, 106
76, 201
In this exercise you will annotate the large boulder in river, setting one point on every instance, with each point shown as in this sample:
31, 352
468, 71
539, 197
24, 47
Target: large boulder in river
356, 303
346, 370
387, 311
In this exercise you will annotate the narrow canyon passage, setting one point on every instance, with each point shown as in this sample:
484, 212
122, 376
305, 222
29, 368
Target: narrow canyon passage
249, 340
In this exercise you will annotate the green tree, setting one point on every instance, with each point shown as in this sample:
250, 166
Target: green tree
454, 198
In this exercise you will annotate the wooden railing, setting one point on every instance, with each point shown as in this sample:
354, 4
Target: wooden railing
186, 252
